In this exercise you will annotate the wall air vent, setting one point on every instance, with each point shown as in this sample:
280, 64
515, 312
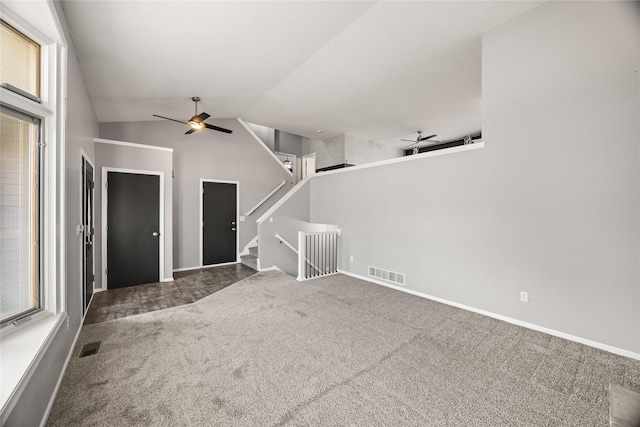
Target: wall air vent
386, 275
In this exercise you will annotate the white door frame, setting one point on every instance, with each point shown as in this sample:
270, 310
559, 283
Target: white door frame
105, 171
85, 157
201, 221
305, 172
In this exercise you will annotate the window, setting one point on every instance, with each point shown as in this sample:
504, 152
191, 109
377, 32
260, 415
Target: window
33, 57
20, 61
20, 174
19, 214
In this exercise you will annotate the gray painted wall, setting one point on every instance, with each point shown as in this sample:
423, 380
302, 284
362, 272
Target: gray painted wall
358, 151
32, 404
266, 134
349, 149
271, 252
550, 206
288, 143
329, 152
207, 155
123, 157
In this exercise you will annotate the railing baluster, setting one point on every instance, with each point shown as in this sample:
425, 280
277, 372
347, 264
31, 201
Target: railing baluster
317, 254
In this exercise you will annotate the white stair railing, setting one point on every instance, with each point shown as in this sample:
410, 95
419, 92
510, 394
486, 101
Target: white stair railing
286, 243
265, 198
317, 254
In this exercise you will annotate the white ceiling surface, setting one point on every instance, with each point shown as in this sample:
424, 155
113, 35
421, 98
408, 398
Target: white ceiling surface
379, 70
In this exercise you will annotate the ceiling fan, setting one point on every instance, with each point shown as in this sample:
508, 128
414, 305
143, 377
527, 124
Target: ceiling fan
420, 139
197, 121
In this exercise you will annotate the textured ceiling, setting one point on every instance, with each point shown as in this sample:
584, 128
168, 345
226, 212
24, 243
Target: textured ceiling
379, 70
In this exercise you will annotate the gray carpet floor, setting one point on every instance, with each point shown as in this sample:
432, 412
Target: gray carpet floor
335, 351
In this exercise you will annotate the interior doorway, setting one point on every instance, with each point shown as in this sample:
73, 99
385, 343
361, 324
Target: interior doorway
132, 244
87, 231
308, 165
290, 161
219, 222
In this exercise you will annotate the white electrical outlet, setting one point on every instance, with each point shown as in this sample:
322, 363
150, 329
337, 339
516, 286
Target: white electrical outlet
351, 258
524, 296
241, 218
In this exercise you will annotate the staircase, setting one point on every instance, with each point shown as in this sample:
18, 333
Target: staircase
251, 260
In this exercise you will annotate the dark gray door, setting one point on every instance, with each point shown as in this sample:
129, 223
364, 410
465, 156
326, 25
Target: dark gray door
219, 228
133, 229
88, 232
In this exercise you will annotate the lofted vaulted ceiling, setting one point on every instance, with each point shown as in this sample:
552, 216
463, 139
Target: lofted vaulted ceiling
379, 70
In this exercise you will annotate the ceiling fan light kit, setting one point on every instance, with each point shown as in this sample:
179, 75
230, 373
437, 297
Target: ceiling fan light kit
197, 121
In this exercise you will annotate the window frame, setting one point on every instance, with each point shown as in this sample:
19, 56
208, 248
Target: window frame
38, 93
50, 111
25, 345
16, 319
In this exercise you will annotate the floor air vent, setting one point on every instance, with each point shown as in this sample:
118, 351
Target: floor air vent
390, 276
90, 349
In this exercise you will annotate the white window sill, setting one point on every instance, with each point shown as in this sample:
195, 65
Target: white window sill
19, 353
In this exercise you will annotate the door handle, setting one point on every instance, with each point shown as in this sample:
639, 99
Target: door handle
233, 229
156, 234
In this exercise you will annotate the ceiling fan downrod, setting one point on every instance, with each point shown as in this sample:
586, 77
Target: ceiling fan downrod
196, 99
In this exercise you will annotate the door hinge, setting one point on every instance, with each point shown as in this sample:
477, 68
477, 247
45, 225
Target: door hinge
106, 184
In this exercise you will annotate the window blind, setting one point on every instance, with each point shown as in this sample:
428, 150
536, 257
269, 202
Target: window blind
19, 212
19, 60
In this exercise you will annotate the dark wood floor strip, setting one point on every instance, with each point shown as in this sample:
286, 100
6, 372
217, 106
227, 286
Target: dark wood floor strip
188, 287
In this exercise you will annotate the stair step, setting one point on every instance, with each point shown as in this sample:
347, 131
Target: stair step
253, 251
250, 261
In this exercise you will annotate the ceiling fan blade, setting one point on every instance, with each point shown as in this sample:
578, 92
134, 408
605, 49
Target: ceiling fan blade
426, 137
167, 118
200, 117
219, 129
190, 131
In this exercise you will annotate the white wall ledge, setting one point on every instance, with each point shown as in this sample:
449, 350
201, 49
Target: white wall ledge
132, 144
21, 352
434, 153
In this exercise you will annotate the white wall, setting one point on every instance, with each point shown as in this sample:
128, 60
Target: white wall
207, 155
550, 206
358, 151
329, 152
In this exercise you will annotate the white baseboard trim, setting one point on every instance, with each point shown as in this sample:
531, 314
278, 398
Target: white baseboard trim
272, 268
64, 370
590, 343
199, 267
167, 279
253, 242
